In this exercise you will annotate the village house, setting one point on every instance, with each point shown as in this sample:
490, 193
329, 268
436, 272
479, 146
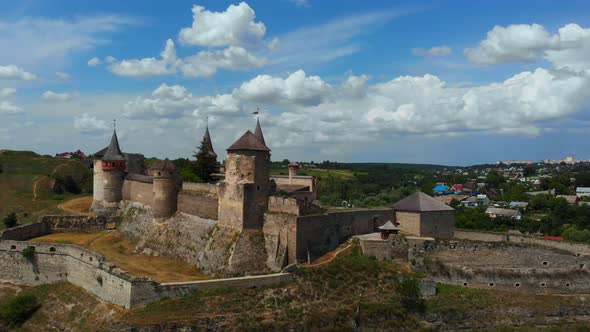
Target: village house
494, 212
582, 191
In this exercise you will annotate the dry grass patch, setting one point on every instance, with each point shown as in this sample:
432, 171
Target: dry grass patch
78, 205
119, 251
80, 239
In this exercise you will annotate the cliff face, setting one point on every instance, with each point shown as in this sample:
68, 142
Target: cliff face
213, 248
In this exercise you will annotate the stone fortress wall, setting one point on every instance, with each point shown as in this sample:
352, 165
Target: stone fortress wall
517, 263
137, 191
91, 271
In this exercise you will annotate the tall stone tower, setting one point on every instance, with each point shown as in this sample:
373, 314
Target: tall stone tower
166, 187
113, 171
243, 197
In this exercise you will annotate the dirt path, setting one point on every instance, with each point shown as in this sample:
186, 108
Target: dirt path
78, 206
35, 189
327, 258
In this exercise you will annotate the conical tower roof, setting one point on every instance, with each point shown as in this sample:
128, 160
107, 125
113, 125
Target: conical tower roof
248, 141
113, 151
258, 133
209, 144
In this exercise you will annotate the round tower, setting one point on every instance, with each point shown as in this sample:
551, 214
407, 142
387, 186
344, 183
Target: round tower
113, 171
166, 187
98, 185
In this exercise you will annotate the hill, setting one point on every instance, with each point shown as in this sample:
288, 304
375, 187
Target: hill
33, 185
377, 295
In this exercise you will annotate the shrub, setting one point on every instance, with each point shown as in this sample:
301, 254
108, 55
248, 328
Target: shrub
29, 253
10, 220
409, 292
17, 310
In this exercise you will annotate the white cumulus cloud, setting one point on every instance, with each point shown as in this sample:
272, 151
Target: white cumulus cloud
12, 72
7, 92
566, 49
62, 75
233, 27
7, 107
437, 51
90, 124
94, 61
207, 63
148, 66
297, 88
56, 97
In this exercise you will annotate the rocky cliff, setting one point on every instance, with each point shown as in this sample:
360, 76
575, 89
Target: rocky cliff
215, 249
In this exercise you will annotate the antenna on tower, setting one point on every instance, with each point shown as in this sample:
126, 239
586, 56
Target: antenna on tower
257, 112
207, 121
114, 123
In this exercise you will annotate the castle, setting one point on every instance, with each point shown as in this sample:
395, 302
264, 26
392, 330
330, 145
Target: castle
248, 198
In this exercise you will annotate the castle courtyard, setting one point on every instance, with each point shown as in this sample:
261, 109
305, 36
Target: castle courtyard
120, 251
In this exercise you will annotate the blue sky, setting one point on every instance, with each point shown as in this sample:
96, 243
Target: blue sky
450, 82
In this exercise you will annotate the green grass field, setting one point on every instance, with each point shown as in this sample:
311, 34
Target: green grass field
20, 170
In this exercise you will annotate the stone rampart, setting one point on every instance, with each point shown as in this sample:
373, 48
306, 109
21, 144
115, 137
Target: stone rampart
394, 247
75, 223
25, 232
277, 204
58, 262
202, 187
199, 203
576, 248
90, 271
137, 191
289, 205
319, 234
503, 265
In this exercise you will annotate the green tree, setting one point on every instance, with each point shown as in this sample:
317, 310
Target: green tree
408, 290
528, 171
494, 179
10, 220
205, 164
17, 310
285, 162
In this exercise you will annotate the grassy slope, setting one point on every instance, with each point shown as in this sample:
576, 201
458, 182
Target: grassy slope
320, 298
66, 307
20, 170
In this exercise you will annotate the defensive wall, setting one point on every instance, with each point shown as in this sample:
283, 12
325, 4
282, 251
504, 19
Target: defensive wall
278, 204
504, 265
203, 204
203, 187
92, 272
573, 247
138, 191
510, 262
319, 234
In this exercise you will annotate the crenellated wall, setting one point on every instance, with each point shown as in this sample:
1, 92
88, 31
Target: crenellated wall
278, 204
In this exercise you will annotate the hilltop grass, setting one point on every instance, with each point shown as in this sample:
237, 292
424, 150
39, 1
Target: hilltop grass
20, 170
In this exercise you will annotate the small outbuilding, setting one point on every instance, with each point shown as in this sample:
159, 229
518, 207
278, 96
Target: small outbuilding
387, 229
422, 215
